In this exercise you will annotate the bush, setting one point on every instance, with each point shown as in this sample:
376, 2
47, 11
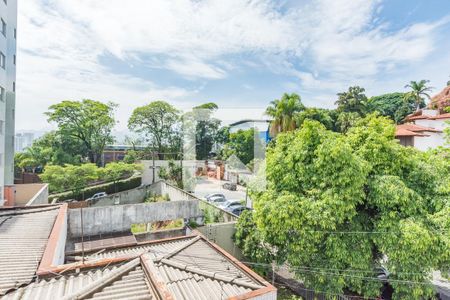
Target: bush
109, 188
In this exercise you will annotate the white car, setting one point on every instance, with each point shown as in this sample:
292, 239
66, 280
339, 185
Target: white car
98, 195
215, 195
217, 200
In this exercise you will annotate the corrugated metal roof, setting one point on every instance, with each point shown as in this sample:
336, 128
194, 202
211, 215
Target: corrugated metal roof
155, 249
127, 283
186, 268
23, 237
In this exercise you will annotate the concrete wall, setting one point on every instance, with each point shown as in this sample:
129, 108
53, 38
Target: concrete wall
31, 194
431, 141
133, 196
222, 235
119, 218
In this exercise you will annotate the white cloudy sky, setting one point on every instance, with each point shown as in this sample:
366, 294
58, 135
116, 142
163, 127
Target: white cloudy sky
239, 54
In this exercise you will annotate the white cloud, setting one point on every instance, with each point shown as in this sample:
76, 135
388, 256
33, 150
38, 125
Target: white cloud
324, 46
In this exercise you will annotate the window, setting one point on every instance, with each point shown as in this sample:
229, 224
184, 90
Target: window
3, 28
2, 60
2, 94
15, 33
1, 126
14, 86
14, 59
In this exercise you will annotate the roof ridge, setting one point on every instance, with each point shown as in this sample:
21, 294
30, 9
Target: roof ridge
182, 247
103, 280
212, 275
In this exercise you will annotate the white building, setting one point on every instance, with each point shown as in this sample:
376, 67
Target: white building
423, 130
23, 140
8, 33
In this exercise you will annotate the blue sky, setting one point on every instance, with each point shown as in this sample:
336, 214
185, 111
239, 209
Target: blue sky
239, 54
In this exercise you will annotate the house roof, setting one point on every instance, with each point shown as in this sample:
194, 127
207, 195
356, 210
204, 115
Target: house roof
413, 130
178, 268
441, 100
23, 238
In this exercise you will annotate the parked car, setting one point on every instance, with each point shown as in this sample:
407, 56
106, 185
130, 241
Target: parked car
98, 195
238, 210
217, 200
215, 195
230, 204
229, 186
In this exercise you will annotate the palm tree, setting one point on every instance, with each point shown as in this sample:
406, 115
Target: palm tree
418, 91
283, 112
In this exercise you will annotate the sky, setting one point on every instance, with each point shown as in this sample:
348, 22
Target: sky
238, 54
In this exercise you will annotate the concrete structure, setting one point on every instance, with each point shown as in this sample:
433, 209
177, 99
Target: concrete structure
423, 130
119, 218
8, 32
31, 194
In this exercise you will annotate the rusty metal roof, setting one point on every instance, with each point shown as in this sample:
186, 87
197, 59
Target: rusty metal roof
23, 236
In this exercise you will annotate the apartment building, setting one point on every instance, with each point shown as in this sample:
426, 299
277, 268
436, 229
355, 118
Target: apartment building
8, 34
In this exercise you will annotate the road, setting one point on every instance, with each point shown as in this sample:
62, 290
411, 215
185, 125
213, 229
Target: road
207, 186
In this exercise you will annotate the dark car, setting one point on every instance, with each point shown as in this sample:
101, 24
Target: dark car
239, 210
229, 186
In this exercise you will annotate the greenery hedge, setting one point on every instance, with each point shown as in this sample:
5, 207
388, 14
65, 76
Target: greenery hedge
109, 188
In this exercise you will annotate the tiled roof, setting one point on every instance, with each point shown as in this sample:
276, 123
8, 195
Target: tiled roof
413, 130
23, 236
441, 116
118, 282
180, 268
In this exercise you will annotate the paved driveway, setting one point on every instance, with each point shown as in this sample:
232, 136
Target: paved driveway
207, 186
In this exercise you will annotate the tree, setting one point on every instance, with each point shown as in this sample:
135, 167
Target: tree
116, 171
158, 121
88, 121
69, 177
241, 144
206, 129
284, 112
394, 106
419, 91
352, 101
173, 174
319, 114
337, 206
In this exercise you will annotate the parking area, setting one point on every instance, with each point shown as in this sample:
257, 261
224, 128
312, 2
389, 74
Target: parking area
207, 186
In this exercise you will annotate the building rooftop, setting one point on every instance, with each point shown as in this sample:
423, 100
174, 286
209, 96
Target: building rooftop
24, 233
176, 268
413, 130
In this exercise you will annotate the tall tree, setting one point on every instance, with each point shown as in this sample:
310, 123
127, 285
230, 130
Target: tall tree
393, 105
354, 100
206, 129
90, 122
419, 91
337, 206
159, 122
319, 114
284, 112
242, 144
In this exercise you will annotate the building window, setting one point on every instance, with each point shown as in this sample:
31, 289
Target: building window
2, 60
2, 94
3, 28
14, 59
15, 33
14, 86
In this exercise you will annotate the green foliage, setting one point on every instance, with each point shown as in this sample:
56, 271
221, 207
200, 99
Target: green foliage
69, 177
206, 129
396, 106
419, 91
109, 188
88, 122
318, 114
348, 203
352, 101
241, 144
158, 121
172, 174
346, 120
284, 112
